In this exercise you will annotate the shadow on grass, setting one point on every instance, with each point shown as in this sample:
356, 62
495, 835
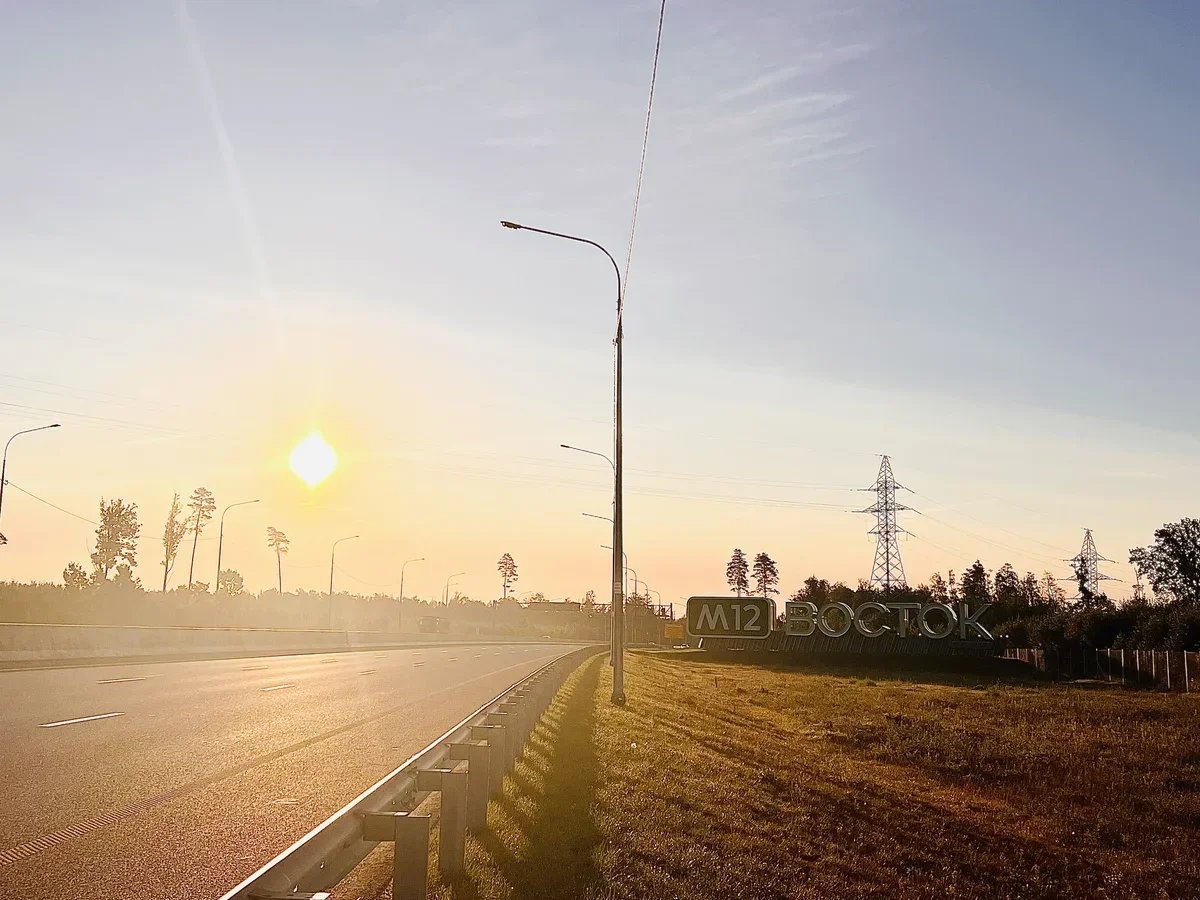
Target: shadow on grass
557, 856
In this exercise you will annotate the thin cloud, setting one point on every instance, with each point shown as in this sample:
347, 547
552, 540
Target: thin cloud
233, 172
762, 83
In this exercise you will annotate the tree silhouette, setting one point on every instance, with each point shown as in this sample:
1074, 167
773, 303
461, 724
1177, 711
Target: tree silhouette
202, 504
173, 534
736, 572
278, 541
1053, 596
766, 575
937, 588
124, 578
74, 576
589, 601
508, 572
230, 581
975, 584
116, 537
1172, 562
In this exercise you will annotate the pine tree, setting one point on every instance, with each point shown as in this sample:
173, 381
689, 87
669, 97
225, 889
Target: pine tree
508, 572
202, 504
278, 541
736, 573
766, 575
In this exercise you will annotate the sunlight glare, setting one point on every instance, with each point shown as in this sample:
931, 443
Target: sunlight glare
313, 460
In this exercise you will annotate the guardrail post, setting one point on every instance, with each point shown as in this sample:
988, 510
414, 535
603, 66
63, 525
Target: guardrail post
516, 712
452, 826
497, 753
476, 753
510, 743
410, 861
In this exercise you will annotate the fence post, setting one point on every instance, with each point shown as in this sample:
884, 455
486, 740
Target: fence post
1187, 685
1153, 667
1122, 667
1168, 670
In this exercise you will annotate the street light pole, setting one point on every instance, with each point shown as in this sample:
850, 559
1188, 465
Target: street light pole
4, 464
400, 614
603, 456
446, 590
221, 540
332, 555
618, 607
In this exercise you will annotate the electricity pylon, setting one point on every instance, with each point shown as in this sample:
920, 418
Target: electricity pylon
1086, 565
888, 571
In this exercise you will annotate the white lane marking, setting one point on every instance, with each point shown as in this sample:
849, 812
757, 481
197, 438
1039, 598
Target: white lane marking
418, 664
368, 672
252, 668
381, 656
279, 687
328, 660
84, 719
477, 656
452, 659
131, 678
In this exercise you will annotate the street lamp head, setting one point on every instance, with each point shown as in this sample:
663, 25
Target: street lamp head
512, 225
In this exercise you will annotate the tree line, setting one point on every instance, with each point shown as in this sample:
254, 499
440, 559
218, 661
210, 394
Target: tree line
1033, 611
116, 546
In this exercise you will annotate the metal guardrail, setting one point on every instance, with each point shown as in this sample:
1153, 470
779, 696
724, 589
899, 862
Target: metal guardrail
467, 764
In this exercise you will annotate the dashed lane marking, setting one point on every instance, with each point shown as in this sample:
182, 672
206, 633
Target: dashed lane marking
113, 816
278, 687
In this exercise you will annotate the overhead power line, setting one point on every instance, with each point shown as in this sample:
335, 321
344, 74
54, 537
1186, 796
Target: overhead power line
54, 505
637, 192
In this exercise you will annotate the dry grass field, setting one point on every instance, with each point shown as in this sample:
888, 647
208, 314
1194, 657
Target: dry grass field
724, 780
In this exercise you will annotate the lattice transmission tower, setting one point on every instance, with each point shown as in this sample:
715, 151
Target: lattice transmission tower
1086, 565
888, 571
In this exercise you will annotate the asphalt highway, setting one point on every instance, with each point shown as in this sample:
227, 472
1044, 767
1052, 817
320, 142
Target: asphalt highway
179, 779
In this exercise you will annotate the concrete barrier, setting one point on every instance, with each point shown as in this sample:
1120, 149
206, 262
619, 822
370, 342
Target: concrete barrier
23, 644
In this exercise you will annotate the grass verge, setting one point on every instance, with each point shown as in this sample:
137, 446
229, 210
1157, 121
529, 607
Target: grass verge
726, 780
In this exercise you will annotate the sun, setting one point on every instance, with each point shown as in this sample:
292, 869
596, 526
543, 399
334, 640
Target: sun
313, 460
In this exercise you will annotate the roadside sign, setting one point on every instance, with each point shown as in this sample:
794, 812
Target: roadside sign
732, 617
673, 631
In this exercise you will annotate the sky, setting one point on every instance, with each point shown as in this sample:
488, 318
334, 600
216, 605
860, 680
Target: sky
962, 234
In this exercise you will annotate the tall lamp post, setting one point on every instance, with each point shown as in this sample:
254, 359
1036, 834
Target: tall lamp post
618, 688
332, 555
446, 590
400, 614
4, 464
221, 540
